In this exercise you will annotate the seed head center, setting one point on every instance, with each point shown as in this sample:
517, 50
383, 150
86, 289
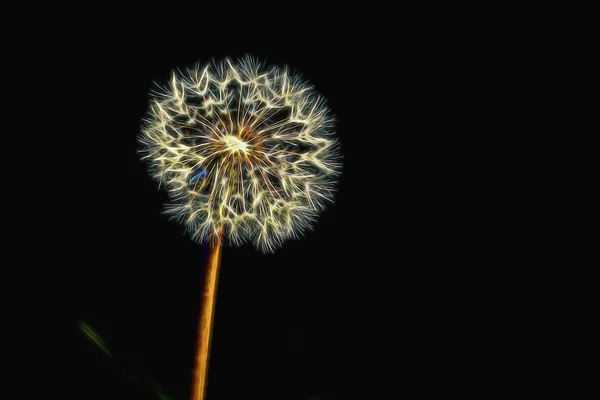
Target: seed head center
235, 144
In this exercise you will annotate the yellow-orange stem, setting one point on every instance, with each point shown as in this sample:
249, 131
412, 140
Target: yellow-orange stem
205, 322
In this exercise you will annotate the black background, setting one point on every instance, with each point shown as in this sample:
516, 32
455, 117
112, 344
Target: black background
389, 297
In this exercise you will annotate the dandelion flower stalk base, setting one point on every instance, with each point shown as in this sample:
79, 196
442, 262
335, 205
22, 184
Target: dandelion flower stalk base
206, 320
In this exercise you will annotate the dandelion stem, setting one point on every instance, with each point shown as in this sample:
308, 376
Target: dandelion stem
205, 322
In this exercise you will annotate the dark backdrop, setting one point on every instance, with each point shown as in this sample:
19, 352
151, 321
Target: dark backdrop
387, 298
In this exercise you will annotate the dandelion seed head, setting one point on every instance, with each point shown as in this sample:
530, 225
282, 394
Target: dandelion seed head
243, 149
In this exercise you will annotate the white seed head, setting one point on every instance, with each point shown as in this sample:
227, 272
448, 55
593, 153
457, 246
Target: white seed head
243, 149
